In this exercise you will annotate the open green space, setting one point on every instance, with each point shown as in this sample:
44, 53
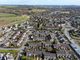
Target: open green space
14, 52
7, 15
24, 57
9, 19
8, 6
28, 58
6, 51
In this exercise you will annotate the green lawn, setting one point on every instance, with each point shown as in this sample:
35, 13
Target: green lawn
6, 51
28, 58
14, 52
24, 58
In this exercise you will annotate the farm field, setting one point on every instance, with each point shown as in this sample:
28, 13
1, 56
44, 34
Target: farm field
8, 19
7, 15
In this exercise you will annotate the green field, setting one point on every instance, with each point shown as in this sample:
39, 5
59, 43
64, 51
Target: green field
28, 58
8, 19
14, 52
7, 15
6, 51
8, 6
24, 57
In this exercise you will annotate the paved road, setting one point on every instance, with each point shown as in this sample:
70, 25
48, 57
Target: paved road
68, 27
